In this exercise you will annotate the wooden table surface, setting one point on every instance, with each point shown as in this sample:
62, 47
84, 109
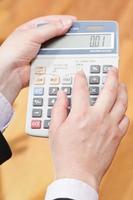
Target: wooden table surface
27, 174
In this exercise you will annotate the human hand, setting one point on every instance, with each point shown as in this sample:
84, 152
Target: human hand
84, 142
22, 46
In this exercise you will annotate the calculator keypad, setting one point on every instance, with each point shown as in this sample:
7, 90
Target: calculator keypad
44, 97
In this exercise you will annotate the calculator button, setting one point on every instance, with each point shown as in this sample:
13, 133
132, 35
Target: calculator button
53, 91
39, 80
40, 70
36, 124
51, 101
93, 100
95, 69
66, 80
94, 80
38, 91
67, 90
104, 79
49, 112
46, 124
37, 102
68, 110
92, 103
69, 102
55, 80
37, 113
94, 90
106, 68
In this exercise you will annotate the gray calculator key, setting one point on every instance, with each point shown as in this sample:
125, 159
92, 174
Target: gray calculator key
67, 90
93, 100
37, 113
51, 101
38, 91
94, 90
49, 112
69, 102
104, 79
53, 91
38, 102
94, 79
46, 124
95, 69
92, 103
68, 110
106, 68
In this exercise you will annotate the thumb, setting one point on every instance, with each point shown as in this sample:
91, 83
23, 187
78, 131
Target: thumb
59, 111
45, 32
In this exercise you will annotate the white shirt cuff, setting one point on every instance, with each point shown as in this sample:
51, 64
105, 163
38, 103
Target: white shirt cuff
72, 189
6, 112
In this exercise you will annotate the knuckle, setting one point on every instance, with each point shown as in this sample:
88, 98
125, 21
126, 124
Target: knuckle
116, 135
58, 27
99, 118
123, 100
80, 119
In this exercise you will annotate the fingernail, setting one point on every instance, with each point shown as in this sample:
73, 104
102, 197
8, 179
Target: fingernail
43, 23
59, 95
81, 72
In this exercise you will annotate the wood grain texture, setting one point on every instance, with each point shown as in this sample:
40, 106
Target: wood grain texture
27, 174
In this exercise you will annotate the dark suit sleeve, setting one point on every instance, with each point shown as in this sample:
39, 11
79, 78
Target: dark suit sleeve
5, 151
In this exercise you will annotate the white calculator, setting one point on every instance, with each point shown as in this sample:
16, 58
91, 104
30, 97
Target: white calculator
89, 45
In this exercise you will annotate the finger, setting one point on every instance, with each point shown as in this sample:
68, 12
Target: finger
45, 19
59, 111
120, 106
124, 124
43, 33
80, 94
108, 95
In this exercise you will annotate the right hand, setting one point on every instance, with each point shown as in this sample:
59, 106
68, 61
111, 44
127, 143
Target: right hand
84, 142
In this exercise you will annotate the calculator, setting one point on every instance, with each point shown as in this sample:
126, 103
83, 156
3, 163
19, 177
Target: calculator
91, 46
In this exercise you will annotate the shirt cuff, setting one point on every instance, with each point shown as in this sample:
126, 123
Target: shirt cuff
72, 189
6, 112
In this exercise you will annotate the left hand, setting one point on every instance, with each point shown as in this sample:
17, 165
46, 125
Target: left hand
22, 46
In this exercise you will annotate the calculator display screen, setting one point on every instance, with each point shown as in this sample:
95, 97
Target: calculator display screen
83, 41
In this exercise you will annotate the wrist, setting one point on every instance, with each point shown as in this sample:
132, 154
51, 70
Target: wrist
5, 61
90, 179
9, 86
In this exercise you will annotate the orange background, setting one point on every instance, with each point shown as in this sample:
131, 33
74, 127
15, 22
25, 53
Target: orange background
27, 174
